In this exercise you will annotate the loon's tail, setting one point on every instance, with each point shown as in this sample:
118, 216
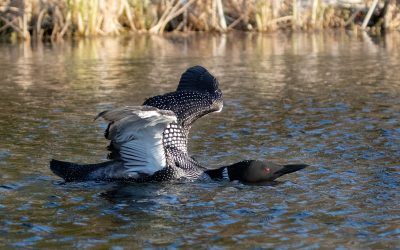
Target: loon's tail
76, 172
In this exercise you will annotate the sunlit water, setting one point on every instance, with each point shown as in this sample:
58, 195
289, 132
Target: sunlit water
329, 100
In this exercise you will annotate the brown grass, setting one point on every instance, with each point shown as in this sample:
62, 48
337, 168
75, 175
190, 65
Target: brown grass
57, 19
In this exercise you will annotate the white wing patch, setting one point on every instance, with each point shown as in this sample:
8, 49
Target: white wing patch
137, 132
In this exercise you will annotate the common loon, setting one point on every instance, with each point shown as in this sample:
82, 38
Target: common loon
149, 142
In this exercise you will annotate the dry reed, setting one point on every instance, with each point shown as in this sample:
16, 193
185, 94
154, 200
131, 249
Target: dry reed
54, 20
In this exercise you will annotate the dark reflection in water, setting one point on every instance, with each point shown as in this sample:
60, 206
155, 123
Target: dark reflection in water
329, 100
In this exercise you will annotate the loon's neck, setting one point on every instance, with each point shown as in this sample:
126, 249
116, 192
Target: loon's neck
231, 173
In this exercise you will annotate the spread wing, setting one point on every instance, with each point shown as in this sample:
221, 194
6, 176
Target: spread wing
197, 94
136, 134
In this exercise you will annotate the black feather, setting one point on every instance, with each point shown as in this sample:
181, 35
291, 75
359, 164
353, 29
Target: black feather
75, 172
197, 78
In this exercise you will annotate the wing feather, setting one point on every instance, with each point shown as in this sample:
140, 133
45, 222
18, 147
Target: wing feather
136, 134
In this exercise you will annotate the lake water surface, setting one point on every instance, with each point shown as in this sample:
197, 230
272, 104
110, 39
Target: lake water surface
331, 100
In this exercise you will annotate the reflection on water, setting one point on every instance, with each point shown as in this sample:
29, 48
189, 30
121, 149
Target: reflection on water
329, 100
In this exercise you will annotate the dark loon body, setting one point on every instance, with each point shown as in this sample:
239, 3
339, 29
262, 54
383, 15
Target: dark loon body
149, 142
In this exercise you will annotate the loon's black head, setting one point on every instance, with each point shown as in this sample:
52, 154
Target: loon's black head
200, 80
253, 171
197, 78
197, 94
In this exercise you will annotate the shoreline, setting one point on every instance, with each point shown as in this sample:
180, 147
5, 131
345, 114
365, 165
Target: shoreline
211, 44
356, 33
59, 20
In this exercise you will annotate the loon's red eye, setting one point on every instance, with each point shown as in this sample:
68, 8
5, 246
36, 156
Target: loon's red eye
267, 170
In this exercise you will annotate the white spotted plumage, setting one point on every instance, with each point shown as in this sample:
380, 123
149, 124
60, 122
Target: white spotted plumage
225, 174
149, 143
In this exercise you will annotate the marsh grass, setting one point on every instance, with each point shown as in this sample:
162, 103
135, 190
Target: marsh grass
56, 19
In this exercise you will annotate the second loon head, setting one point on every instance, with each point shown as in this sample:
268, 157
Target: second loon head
198, 79
254, 171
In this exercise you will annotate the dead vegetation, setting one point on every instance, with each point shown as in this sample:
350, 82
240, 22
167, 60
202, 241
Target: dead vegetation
56, 19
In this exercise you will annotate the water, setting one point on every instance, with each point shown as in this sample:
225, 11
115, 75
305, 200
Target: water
331, 100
